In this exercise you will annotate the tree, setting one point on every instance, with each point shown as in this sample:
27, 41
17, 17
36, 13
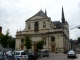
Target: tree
40, 44
1, 37
12, 43
78, 39
4, 39
28, 42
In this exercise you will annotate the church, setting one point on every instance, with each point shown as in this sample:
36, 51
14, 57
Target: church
55, 34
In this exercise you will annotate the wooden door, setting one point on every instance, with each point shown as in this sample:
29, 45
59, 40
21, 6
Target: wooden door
53, 48
22, 47
35, 48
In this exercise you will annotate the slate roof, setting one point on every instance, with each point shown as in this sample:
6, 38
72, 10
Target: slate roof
58, 24
41, 13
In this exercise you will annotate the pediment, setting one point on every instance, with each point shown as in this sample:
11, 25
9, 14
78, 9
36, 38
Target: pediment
36, 17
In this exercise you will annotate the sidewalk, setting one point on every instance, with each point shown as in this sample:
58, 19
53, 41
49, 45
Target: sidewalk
53, 53
78, 57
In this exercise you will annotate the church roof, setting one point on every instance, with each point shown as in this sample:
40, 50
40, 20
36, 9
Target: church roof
58, 24
41, 13
63, 17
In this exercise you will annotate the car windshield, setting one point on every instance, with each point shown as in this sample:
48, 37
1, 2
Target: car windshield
43, 51
0, 54
23, 53
40, 52
16, 53
46, 51
71, 52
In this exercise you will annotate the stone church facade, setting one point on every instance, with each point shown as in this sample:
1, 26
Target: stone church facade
55, 34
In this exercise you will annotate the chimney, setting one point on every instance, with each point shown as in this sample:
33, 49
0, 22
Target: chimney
0, 29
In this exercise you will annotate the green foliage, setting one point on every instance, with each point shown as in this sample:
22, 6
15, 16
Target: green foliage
5, 40
28, 42
1, 37
12, 43
40, 44
79, 39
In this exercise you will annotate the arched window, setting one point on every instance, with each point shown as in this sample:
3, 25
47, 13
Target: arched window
44, 24
29, 26
44, 39
52, 39
36, 26
22, 40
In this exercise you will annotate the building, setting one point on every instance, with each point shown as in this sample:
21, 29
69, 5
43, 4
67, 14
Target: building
0, 29
0, 34
55, 34
75, 45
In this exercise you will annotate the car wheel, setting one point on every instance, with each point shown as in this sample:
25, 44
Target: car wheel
41, 56
75, 56
18, 59
67, 56
47, 55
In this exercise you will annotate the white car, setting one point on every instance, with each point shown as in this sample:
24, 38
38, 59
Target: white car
20, 55
9, 53
71, 53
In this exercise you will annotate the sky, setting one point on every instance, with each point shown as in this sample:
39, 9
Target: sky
14, 13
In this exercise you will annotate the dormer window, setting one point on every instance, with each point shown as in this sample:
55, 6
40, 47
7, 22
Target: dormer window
44, 24
29, 26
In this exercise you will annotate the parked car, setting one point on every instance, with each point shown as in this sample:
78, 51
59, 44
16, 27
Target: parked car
43, 53
20, 55
9, 53
31, 56
3, 56
36, 55
71, 53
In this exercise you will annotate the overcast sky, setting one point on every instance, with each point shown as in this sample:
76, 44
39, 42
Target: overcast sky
13, 13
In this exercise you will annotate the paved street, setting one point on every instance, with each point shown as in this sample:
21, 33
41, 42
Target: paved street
78, 57
58, 56
54, 56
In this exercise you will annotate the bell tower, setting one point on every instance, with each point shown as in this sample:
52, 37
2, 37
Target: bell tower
63, 17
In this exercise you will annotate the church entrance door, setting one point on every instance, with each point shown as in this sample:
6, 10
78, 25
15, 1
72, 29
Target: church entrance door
35, 48
52, 48
22, 47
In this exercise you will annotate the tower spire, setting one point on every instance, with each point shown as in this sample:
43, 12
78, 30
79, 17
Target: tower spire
45, 12
63, 18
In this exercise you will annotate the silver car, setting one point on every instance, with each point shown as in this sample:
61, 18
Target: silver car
3, 56
20, 55
44, 53
71, 53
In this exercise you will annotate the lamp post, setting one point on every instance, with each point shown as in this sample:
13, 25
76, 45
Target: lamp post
76, 27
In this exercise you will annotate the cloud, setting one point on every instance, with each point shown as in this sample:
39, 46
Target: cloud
14, 13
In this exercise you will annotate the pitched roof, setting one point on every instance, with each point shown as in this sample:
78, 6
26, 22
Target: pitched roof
41, 13
58, 24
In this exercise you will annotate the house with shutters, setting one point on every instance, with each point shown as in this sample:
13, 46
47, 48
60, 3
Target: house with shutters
55, 34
